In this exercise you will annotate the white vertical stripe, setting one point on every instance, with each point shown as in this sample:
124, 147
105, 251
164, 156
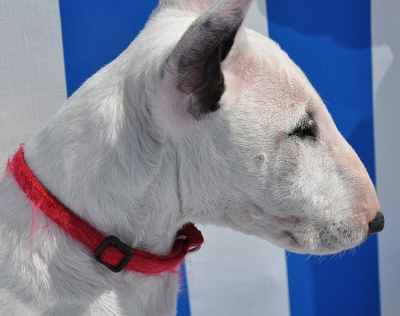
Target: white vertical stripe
386, 66
256, 18
235, 274
32, 82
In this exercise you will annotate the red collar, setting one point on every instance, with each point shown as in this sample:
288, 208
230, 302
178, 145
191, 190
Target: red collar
109, 251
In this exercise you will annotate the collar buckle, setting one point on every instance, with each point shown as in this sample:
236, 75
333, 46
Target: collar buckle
114, 242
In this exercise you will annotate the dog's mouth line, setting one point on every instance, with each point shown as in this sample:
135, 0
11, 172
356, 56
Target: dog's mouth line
291, 237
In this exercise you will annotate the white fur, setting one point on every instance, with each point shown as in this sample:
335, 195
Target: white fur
122, 154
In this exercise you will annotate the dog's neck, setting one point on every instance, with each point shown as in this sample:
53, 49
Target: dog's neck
93, 165
97, 158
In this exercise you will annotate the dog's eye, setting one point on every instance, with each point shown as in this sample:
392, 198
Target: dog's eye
306, 128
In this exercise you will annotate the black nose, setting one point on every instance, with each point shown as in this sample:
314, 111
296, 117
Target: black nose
377, 224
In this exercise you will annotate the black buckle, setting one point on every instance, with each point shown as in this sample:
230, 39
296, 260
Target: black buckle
112, 241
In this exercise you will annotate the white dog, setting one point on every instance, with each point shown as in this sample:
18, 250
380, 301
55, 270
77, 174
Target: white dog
199, 120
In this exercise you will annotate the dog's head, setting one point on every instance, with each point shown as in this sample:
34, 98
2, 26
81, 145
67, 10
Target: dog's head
256, 147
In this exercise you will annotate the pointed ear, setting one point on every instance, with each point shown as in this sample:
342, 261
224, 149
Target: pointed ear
194, 66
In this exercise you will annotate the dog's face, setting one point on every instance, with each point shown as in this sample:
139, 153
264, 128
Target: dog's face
255, 136
309, 190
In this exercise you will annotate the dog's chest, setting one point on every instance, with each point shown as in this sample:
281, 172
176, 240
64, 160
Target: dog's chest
43, 272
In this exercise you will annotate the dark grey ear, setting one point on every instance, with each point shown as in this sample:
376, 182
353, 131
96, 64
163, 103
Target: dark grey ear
195, 62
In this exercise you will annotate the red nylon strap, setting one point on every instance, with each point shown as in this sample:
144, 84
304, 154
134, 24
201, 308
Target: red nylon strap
188, 239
